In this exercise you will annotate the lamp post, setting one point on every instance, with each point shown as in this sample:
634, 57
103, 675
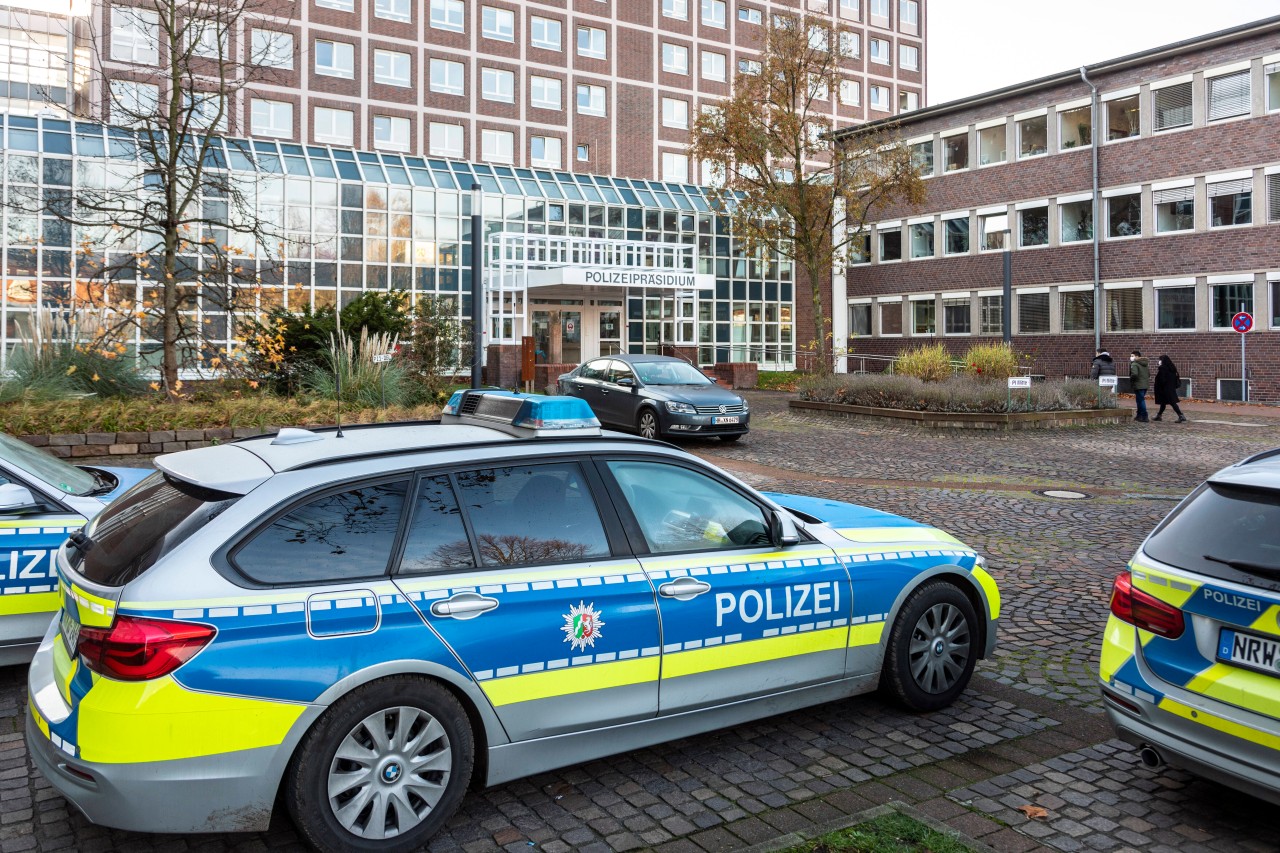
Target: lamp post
477, 284
1000, 225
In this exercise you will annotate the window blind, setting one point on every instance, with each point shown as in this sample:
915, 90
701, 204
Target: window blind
1229, 95
1244, 185
1033, 312
1273, 197
1176, 194
1173, 106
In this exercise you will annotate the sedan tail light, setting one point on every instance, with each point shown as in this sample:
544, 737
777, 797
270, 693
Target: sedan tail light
137, 649
1144, 611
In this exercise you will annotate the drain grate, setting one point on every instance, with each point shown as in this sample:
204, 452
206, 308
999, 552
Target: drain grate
1063, 494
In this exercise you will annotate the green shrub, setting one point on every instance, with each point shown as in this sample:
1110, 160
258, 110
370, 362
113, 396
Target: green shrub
957, 394
380, 313
441, 344
71, 357
928, 362
991, 361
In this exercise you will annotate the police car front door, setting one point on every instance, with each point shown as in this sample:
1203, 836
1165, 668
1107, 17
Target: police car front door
739, 617
554, 620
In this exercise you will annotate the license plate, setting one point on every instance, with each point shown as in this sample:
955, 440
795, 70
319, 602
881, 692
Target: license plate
1249, 651
69, 627
725, 419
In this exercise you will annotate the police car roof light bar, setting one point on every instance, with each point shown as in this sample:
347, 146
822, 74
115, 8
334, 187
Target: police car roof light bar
521, 415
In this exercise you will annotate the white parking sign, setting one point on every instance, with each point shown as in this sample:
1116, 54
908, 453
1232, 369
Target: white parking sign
1019, 381
1107, 381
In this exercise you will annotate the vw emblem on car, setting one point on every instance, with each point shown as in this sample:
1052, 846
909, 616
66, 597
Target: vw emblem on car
724, 409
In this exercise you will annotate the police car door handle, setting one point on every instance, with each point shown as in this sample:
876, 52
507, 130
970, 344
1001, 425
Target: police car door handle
684, 589
464, 605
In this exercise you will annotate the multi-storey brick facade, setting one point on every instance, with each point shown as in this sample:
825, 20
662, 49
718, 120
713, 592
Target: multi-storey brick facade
1188, 202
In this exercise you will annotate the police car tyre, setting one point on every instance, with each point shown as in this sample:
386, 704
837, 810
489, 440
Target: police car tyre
932, 648
647, 424
382, 769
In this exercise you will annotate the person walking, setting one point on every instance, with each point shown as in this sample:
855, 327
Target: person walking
1166, 386
1140, 381
1103, 365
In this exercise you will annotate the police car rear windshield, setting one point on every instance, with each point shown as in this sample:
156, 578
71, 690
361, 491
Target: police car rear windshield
147, 522
1224, 532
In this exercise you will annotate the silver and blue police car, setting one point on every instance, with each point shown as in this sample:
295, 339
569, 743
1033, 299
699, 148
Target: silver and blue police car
360, 624
42, 499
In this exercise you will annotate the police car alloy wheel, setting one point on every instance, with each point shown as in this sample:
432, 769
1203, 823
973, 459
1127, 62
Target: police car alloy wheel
648, 424
930, 657
383, 769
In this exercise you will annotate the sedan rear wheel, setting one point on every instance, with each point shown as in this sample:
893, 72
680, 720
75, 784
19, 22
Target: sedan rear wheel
647, 424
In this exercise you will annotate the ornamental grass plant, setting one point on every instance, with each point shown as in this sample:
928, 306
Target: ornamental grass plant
991, 361
927, 362
957, 394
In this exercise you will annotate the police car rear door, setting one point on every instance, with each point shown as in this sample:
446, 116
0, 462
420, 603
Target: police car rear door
739, 617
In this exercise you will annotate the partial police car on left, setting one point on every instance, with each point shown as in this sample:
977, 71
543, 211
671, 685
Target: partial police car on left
42, 499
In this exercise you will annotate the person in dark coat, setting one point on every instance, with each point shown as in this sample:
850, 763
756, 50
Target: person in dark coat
1166, 386
1140, 381
1103, 365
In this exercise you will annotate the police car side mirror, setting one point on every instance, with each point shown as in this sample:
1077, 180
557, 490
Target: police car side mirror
15, 498
782, 530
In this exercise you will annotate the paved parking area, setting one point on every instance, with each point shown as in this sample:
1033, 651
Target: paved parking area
1029, 732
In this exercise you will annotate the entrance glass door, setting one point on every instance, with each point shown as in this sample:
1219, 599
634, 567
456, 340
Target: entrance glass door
610, 330
558, 336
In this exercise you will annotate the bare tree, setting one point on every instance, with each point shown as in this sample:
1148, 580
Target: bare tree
789, 187
166, 209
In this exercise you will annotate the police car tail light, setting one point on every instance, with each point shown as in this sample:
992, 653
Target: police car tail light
1145, 611
137, 649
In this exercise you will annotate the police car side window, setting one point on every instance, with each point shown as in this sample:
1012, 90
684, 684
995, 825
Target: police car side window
337, 537
436, 539
682, 510
527, 514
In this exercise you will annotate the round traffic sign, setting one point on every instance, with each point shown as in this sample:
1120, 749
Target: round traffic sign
1242, 322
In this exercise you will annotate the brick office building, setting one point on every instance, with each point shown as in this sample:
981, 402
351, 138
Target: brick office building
1188, 201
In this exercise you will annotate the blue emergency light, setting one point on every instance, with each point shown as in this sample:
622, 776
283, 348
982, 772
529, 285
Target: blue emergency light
520, 414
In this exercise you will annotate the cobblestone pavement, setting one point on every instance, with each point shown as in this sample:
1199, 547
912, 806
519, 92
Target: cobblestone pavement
1029, 731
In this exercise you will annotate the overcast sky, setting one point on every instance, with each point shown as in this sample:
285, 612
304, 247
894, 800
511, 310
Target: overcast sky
979, 47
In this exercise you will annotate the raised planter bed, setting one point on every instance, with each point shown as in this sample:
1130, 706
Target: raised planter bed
970, 420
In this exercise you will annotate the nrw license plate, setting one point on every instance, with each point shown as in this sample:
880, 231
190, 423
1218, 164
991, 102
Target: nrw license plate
725, 419
1250, 651
70, 630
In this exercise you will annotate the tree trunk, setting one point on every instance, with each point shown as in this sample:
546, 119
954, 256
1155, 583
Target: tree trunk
169, 315
822, 364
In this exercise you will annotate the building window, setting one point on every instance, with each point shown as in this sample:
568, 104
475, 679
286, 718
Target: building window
714, 66
909, 57
544, 151
334, 126
1272, 84
957, 236
713, 13
392, 10
1077, 310
1124, 309
1075, 220
880, 9
991, 145
880, 98
1275, 303
675, 58
207, 110
1033, 313
1175, 209
1074, 128
498, 24
1229, 300
336, 59
993, 231
1228, 95
991, 315
1124, 117
908, 101
271, 118
955, 152
1273, 198
1171, 106
391, 133
591, 100
747, 15
675, 167
891, 318
1033, 137
880, 51
921, 239
748, 66
544, 33
1033, 226
860, 248
850, 93
135, 35
591, 43
851, 9
445, 140
391, 68
1176, 307
675, 113
675, 9
1124, 215
497, 146
447, 77
447, 15
208, 41
132, 103
340, 5
497, 85
922, 157
583, 152
860, 320
544, 93
1230, 203
955, 316
924, 317
908, 14
891, 245
272, 49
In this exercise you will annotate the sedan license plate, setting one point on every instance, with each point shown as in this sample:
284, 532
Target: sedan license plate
725, 419
1249, 651
69, 627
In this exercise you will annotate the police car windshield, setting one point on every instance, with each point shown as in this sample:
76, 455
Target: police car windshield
1224, 532
39, 465
669, 373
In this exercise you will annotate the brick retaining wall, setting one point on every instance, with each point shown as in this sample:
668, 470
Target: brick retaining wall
89, 445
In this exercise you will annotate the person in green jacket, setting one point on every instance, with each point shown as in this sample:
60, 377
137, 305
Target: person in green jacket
1140, 380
